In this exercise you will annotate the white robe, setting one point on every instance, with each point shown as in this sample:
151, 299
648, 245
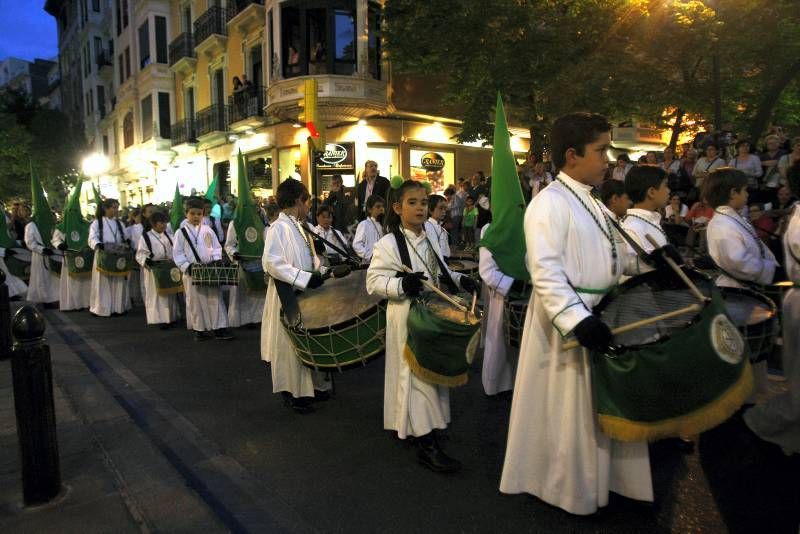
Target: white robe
244, 307
497, 374
215, 225
159, 309
368, 232
287, 257
109, 293
43, 283
205, 307
411, 406
334, 236
639, 224
16, 287
135, 281
555, 449
74, 291
778, 420
434, 230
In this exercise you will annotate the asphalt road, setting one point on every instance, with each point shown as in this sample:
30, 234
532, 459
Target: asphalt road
341, 472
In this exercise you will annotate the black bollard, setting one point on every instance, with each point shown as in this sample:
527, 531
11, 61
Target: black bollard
5, 319
34, 407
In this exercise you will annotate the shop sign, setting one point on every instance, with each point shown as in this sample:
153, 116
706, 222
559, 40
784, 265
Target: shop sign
432, 161
337, 156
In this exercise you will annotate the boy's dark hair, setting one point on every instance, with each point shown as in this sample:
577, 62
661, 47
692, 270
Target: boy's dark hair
392, 218
470, 197
323, 209
624, 157
575, 130
157, 217
194, 203
716, 147
433, 201
374, 199
103, 206
718, 185
289, 191
640, 179
609, 188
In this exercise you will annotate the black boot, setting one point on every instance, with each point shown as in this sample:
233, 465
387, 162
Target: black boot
301, 405
433, 457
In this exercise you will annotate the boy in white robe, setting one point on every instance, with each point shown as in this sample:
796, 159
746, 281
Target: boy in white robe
289, 257
244, 307
646, 186
437, 210
43, 283
109, 295
156, 246
133, 234
196, 244
326, 231
370, 230
555, 449
735, 247
74, 291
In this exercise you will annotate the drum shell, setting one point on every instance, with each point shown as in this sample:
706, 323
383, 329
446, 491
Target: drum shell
79, 263
167, 278
215, 275
114, 262
53, 263
760, 336
514, 311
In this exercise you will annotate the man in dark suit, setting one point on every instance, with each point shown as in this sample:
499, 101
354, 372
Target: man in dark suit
371, 184
340, 204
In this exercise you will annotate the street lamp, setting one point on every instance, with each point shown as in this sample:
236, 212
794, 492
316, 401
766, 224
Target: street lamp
94, 165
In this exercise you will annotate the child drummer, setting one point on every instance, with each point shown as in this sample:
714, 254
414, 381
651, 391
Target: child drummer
196, 245
289, 257
156, 246
437, 210
412, 407
646, 186
326, 231
370, 230
109, 295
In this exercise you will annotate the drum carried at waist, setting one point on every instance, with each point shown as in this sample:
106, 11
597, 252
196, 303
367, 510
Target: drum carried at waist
515, 306
19, 264
463, 266
341, 326
167, 277
79, 263
115, 260
679, 376
215, 274
756, 317
442, 341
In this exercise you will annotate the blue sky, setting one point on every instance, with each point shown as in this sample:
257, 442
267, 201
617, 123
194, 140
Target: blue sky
26, 31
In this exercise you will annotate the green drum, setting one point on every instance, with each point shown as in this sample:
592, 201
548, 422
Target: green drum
251, 276
19, 265
79, 264
115, 261
442, 341
168, 278
341, 326
678, 376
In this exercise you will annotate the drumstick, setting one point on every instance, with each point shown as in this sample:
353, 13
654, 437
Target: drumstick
438, 291
674, 266
569, 345
474, 302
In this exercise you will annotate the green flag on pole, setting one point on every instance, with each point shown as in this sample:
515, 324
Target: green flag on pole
75, 227
213, 195
249, 226
505, 238
176, 212
97, 198
42, 214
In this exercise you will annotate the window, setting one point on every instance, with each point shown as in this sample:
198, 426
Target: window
96, 6
119, 18
144, 45
186, 19
374, 40
127, 62
318, 37
124, 13
115, 133
127, 130
105, 145
91, 100
98, 48
270, 46
290, 32
101, 100
164, 116
147, 118
161, 40
345, 35
188, 104
121, 70
316, 24
84, 12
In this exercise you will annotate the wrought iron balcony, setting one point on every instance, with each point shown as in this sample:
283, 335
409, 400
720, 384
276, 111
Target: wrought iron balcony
237, 6
247, 103
181, 47
183, 132
212, 119
212, 22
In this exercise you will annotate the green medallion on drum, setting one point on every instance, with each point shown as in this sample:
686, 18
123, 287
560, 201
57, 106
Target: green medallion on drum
167, 277
79, 264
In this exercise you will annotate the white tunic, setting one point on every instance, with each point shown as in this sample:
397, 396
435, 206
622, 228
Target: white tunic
555, 448
74, 291
135, 281
159, 309
287, 257
735, 247
244, 307
411, 406
216, 225
368, 232
334, 236
640, 223
43, 283
16, 287
778, 420
497, 374
434, 230
109, 293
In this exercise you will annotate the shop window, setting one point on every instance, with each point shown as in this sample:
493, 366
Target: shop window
387, 158
259, 172
288, 164
127, 130
433, 165
147, 118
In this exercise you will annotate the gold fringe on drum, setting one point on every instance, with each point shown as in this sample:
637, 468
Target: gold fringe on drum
430, 376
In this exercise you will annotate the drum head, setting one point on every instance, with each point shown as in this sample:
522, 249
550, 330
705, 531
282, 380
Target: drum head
462, 265
747, 307
336, 301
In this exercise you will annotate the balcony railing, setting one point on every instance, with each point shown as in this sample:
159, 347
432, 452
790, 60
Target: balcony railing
104, 59
183, 132
181, 47
247, 103
237, 6
213, 21
212, 119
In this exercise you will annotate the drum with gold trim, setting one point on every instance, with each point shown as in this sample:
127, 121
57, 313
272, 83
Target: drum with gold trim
115, 260
167, 277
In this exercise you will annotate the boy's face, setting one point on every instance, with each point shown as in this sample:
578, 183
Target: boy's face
325, 219
659, 196
619, 204
112, 211
159, 227
303, 204
194, 216
376, 210
470, 202
413, 210
590, 168
738, 198
439, 211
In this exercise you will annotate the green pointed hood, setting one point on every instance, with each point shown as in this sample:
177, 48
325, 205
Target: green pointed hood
75, 227
176, 214
249, 226
42, 214
505, 238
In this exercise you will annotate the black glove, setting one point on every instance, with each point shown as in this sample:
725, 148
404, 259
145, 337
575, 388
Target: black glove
315, 281
149, 262
593, 333
10, 253
236, 256
99, 246
62, 246
412, 283
469, 285
657, 258
47, 251
518, 286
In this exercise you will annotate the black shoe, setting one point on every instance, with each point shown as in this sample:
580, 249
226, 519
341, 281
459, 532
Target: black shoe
202, 336
321, 396
223, 333
164, 326
301, 405
51, 305
433, 457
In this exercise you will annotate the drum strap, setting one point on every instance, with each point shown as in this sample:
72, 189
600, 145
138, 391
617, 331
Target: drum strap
149, 244
191, 245
405, 257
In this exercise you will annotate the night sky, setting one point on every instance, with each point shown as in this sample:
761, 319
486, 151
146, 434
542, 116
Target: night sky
26, 31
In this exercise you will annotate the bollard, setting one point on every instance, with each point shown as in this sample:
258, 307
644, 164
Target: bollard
34, 407
5, 319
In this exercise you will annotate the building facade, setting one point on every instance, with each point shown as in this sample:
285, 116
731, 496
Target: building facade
28, 76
